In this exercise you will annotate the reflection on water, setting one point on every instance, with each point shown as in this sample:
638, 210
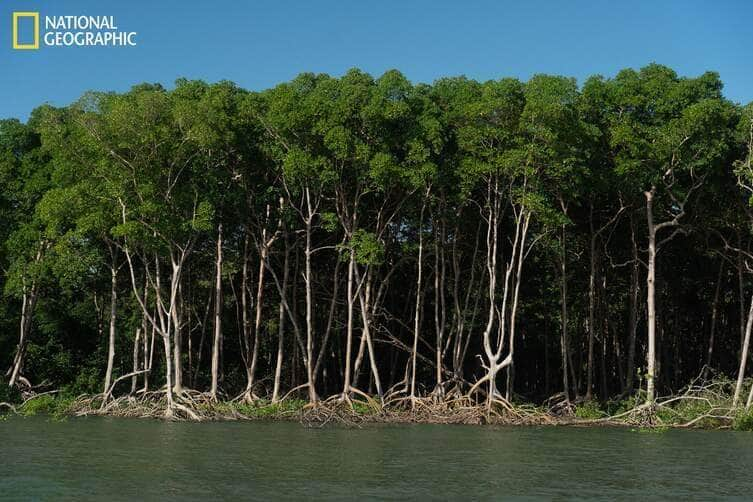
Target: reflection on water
119, 459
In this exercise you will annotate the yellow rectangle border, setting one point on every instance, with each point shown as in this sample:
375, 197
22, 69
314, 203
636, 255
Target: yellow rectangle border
16, 17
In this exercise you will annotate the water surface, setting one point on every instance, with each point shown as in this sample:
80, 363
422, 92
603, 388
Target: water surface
122, 459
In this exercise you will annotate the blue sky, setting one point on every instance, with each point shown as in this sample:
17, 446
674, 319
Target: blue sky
258, 44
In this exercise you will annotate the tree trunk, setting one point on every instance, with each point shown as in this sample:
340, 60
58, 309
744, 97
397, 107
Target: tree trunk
349, 323
439, 307
168, 375
364, 299
565, 350
714, 315
591, 307
417, 314
217, 340
740, 288
281, 326
634, 304
111, 338
28, 304
150, 350
136, 362
178, 342
651, 301
743, 355
309, 363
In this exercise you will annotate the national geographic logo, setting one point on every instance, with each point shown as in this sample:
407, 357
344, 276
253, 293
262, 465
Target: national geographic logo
68, 31
34, 17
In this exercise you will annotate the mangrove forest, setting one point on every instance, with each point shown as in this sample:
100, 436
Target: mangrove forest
502, 248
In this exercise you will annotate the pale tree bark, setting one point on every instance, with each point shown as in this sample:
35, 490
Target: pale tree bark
564, 342
281, 326
362, 344
136, 362
654, 228
259, 304
29, 301
178, 342
162, 321
740, 290
439, 304
113, 319
348, 219
264, 245
148, 343
364, 299
217, 339
743, 356
506, 314
417, 313
28, 305
651, 300
245, 317
347, 384
749, 325
312, 209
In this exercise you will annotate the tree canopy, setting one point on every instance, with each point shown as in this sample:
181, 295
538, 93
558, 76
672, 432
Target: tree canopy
336, 236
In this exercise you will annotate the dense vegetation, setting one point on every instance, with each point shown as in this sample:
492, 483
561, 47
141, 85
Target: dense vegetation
512, 241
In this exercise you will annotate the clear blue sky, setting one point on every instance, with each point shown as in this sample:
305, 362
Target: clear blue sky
260, 43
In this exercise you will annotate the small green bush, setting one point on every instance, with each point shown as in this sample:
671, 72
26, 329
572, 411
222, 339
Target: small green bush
743, 421
589, 410
362, 408
44, 404
47, 404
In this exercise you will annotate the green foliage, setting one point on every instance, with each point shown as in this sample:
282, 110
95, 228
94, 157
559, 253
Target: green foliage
263, 409
743, 421
589, 410
44, 404
202, 220
321, 166
87, 381
47, 404
368, 249
8, 394
362, 408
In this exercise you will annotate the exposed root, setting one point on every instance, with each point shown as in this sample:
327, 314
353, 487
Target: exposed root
340, 413
8, 406
701, 404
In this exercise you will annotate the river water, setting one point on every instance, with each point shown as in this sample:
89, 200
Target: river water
122, 459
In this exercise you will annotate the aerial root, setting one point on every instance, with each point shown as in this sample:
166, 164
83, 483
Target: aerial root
701, 404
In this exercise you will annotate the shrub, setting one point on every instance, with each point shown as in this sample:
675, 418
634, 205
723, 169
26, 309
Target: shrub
589, 410
44, 404
743, 421
47, 404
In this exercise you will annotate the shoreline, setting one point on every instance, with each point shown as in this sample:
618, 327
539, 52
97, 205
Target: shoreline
657, 418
